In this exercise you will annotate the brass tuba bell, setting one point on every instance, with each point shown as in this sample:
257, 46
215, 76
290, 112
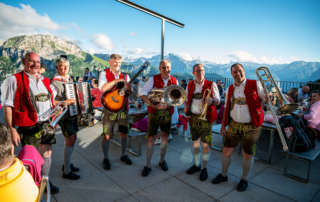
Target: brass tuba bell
172, 95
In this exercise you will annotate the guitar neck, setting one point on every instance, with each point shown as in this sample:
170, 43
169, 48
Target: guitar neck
137, 74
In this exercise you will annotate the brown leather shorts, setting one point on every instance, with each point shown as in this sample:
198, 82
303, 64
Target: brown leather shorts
110, 119
200, 129
158, 119
246, 133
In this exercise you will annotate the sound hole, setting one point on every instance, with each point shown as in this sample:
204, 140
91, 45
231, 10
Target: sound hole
175, 94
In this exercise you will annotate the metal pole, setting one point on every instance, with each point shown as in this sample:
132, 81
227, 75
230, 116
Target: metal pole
162, 39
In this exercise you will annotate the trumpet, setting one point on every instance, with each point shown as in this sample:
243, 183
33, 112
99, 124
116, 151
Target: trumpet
206, 95
173, 95
285, 106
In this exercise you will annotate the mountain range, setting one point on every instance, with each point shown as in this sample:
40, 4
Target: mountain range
50, 47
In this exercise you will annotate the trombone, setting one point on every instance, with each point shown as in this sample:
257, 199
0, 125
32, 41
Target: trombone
267, 82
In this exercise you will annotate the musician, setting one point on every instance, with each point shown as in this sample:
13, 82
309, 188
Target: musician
243, 115
197, 96
27, 96
159, 115
109, 78
68, 124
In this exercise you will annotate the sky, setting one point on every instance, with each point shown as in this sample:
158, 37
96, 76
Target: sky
220, 31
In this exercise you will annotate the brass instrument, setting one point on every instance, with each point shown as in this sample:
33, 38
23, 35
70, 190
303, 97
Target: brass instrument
172, 95
55, 116
285, 107
206, 95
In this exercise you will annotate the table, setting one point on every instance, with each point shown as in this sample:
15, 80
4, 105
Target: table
272, 128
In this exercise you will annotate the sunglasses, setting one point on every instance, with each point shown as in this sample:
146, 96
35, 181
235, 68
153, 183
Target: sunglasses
64, 56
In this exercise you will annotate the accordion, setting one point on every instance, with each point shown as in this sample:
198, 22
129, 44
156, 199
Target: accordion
81, 93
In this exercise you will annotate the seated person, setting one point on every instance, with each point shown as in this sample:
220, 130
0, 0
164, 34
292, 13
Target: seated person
313, 117
303, 93
87, 76
16, 183
292, 95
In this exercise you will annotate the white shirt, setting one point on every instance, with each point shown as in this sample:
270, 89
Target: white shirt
240, 113
196, 104
103, 78
148, 86
36, 87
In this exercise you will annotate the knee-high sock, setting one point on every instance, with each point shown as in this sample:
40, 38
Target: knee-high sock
225, 165
246, 165
123, 146
149, 155
46, 166
67, 158
105, 148
196, 156
163, 151
205, 158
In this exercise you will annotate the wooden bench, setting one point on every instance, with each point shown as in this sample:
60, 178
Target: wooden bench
308, 156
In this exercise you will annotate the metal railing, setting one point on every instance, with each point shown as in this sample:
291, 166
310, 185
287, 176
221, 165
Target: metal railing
284, 85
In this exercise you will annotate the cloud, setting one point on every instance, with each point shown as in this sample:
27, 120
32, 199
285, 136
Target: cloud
102, 41
243, 56
136, 51
132, 34
186, 56
25, 20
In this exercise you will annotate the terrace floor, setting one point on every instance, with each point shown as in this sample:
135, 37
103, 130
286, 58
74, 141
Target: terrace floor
125, 183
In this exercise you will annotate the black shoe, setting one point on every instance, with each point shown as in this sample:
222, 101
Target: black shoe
71, 176
53, 189
193, 169
72, 167
243, 185
163, 165
146, 171
106, 164
203, 174
219, 178
126, 160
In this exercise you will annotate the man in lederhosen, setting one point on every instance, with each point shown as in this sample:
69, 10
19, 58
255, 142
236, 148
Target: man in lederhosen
244, 116
197, 96
27, 97
109, 78
159, 115
68, 124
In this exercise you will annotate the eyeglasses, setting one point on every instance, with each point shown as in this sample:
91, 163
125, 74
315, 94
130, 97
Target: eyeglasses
199, 71
165, 67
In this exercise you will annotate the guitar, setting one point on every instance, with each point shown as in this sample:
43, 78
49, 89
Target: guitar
115, 99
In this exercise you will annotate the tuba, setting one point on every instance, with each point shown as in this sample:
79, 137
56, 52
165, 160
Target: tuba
172, 95
268, 83
206, 94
